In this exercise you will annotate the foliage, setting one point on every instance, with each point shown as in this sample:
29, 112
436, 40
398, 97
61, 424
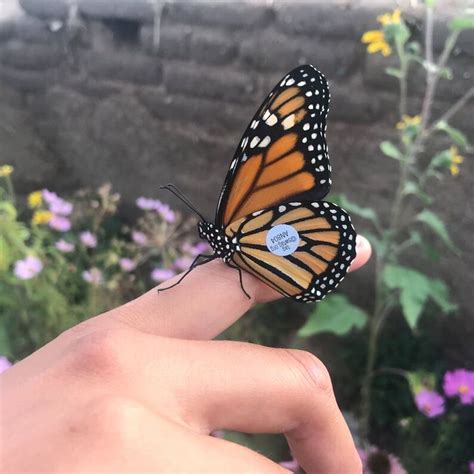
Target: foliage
338, 315
63, 261
413, 223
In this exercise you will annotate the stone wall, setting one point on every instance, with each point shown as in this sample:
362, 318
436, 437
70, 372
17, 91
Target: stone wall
142, 93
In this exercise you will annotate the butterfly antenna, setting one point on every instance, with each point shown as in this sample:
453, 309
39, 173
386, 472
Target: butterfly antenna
174, 190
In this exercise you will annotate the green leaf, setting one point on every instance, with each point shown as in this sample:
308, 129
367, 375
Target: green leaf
335, 314
446, 73
431, 220
461, 23
397, 33
440, 295
389, 149
413, 188
420, 380
442, 160
415, 289
456, 135
365, 212
392, 71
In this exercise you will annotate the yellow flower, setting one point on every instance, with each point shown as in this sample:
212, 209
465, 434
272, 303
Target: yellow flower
406, 121
376, 42
35, 199
390, 18
456, 160
6, 170
41, 217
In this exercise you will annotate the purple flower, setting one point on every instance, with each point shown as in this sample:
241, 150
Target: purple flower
471, 466
139, 237
148, 204
127, 264
162, 274
4, 364
49, 197
196, 249
430, 403
61, 207
88, 239
64, 246
200, 248
291, 465
59, 223
182, 263
27, 268
166, 213
93, 276
56, 204
460, 383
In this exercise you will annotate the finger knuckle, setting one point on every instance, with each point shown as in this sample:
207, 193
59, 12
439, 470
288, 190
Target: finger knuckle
309, 372
101, 351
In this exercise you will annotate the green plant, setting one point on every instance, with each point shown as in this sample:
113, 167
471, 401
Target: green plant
64, 261
412, 219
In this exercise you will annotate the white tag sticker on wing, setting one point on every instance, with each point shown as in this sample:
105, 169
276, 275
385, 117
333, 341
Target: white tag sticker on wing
282, 240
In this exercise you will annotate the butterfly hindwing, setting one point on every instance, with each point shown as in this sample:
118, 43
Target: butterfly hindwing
324, 250
283, 153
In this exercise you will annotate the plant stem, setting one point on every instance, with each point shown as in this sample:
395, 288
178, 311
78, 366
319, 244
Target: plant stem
451, 112
393, 230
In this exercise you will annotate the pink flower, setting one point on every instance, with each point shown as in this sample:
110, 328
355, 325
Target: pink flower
291, 465
148, 204
375, 457
64, 246
59, 223
27, 268
460, 383
197, 249
166, 212
127, 264
93, 276
429, 403
56, 204
88, 239
61, 207
49, 197
471, 466
182, 263
139, 237
200, 248
4, 364
162, 274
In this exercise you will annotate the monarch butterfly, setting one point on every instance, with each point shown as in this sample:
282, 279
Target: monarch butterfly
271, 221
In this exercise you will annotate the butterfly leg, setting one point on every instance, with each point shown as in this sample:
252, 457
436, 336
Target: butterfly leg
196, 263
240, 279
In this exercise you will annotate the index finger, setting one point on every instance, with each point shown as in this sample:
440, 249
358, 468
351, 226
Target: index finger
205, 303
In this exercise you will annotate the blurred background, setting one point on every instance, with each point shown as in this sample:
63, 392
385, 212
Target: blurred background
103, 101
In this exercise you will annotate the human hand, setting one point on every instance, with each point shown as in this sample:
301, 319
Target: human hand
141, 387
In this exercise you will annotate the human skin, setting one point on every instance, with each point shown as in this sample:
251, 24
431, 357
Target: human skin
141, 387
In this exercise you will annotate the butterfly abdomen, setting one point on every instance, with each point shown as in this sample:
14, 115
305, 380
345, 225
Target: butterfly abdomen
222, 246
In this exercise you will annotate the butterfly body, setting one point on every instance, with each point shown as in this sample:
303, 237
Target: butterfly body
271, 220
222, 245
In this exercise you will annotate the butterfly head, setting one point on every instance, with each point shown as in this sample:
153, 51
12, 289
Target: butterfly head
221, 244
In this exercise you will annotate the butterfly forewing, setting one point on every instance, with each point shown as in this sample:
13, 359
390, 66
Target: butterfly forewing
324, 248
283, 153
